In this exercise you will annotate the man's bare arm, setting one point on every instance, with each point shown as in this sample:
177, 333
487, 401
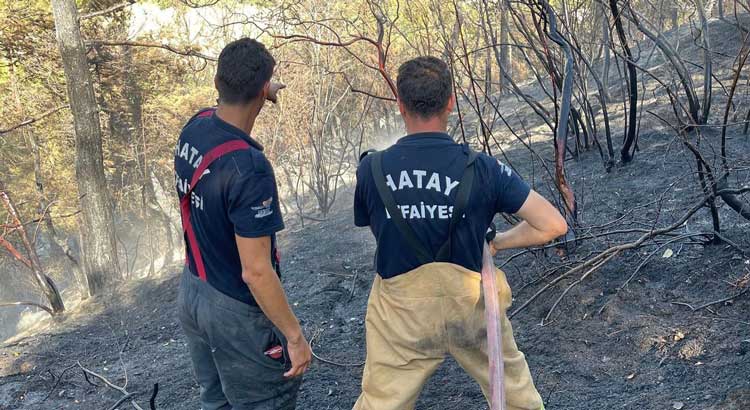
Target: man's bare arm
264, 284
541, 224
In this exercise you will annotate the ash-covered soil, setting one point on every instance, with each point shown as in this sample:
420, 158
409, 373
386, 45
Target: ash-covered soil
636, 348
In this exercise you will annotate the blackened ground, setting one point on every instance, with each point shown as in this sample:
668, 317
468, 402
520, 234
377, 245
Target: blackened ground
604, 349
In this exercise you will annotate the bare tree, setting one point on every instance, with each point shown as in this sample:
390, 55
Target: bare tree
97, 226
31, 261
506, 64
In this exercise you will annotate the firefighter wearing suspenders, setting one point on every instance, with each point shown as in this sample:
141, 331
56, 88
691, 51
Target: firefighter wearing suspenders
246, 345
429, 202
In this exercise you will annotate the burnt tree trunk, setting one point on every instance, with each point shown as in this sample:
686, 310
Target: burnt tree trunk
706, 42
602, 94
732, 200
606, 53
632, 77
561, 131
98, 246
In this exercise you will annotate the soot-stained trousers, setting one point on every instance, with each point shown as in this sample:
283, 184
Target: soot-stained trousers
418, 313
227, 333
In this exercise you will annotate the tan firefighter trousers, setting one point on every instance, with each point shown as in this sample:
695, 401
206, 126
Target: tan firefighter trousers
415, 319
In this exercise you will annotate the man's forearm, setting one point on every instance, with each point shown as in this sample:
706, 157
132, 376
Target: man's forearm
268, 292
521, 236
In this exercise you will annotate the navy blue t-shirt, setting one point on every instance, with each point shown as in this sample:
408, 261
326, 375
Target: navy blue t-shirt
424, 171
236, 195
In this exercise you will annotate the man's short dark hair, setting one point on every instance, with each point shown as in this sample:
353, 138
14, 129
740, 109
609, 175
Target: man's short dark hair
244, 68
424, 86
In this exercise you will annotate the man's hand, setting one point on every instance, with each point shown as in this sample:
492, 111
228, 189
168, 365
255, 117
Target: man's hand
490, 237
273, 91
260, 277
493, 249
300, 355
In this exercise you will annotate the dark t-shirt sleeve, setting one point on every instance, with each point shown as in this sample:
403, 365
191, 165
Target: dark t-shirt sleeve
361, 210
253, 200
510, 190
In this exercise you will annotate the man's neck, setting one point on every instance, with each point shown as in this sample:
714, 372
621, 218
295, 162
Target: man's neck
416, 126
241, 116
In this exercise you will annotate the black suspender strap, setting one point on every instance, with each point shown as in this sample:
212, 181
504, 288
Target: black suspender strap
462, 200
376, 164
459, 206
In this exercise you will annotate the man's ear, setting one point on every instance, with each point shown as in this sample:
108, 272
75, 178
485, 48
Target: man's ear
266, 88
401, 107
451, 104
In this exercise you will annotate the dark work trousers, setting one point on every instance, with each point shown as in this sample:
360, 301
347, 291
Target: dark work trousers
227, 340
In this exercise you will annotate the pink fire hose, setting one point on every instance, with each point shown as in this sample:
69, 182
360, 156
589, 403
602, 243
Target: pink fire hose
494, 333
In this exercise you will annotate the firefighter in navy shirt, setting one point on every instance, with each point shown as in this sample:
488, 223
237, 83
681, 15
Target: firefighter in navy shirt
426, 301
246, 345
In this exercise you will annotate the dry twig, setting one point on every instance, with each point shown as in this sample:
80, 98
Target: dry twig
605, 256
40, 306
32, 120
124, 392
709, 304
116, 7
315, 355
